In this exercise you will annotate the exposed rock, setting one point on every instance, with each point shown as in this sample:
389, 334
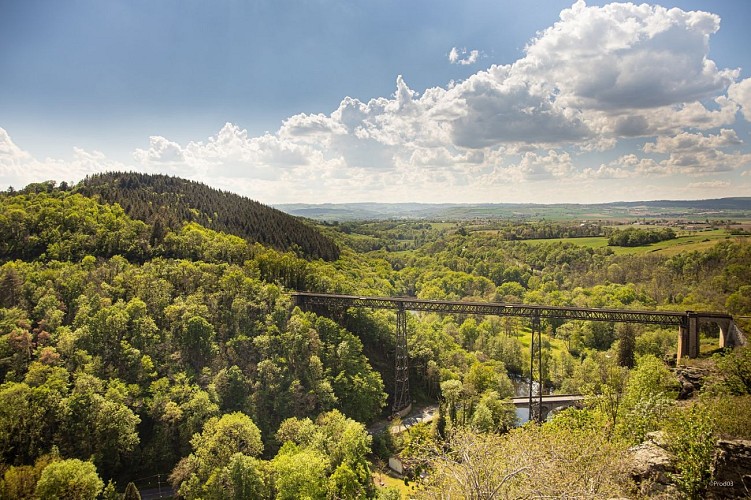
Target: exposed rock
732, 470
651, 466
691, 379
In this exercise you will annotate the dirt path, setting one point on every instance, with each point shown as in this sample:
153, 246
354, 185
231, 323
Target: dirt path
418, 415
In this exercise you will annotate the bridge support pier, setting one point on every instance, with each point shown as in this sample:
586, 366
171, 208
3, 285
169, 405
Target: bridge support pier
401, 392
688, 333
726, 338
688, 337
535, 407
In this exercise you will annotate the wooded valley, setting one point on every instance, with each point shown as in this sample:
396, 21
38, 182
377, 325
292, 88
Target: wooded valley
147, 331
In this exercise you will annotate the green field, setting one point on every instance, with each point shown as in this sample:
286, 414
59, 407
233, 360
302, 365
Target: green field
525, 338
685, 242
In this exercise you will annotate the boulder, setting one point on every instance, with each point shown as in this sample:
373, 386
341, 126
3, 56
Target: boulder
691, 379
732, 470
651, 468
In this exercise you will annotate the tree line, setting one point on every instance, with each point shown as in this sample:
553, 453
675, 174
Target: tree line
636, 237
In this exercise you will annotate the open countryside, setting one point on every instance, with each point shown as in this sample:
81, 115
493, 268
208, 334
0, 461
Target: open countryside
331, 250
687, 242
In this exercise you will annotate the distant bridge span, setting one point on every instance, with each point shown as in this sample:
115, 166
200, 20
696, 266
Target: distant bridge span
549, 402
688, 322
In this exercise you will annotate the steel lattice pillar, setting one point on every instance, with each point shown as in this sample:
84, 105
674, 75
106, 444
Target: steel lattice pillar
535, 349
401, 392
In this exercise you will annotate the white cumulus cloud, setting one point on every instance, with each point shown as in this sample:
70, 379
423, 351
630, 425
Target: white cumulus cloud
626, 56
160, 150
19, 168
463, 57
741, 93
687, 142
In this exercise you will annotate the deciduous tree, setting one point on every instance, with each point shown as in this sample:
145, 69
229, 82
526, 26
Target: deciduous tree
71, 478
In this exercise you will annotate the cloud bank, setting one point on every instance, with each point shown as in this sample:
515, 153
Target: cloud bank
604, 99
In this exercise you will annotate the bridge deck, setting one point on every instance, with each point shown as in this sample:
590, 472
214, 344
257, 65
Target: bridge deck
666, 318
562, 399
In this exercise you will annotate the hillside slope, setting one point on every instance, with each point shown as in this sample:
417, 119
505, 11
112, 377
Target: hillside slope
171, 201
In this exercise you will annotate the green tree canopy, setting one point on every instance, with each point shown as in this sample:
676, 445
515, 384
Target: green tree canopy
223, 437
69, 479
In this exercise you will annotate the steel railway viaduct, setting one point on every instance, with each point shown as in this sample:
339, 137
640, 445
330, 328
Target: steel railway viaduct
688, 324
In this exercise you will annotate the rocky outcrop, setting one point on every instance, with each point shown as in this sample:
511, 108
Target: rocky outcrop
652, 466
691, 379
732, 470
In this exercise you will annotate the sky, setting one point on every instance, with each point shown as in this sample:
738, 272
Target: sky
333, 101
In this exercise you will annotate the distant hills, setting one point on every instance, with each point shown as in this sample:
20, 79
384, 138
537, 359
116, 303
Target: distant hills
670, 209
171, 201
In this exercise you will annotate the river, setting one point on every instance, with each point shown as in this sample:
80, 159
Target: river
521, 388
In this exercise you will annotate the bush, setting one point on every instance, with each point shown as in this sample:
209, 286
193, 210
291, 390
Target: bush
383, 444
735, 369
731, 416
691, 439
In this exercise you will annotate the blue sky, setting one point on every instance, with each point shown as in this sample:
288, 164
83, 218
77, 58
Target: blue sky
380, 100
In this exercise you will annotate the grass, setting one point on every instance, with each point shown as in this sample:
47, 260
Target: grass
684, 243
708, 345
384, 480
525, 338
697, 242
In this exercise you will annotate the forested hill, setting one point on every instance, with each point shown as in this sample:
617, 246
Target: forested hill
171, 201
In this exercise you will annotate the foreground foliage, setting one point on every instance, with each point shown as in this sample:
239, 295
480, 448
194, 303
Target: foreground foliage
529, 462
